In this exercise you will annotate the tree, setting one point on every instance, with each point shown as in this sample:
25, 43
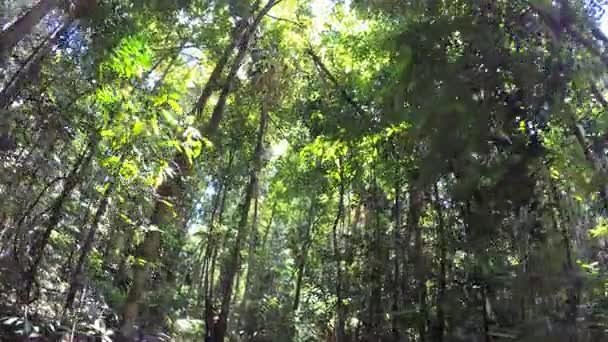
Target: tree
273, 171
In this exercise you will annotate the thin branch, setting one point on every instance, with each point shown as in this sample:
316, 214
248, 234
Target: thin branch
324, 70
286, 20
598, 96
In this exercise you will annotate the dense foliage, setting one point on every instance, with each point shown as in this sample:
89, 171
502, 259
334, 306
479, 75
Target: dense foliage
293, 170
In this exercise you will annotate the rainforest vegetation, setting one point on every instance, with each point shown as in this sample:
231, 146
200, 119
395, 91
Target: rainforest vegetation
303, 170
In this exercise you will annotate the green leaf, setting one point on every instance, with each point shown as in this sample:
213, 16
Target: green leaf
107, 133
601, 229
138, 127
169, 117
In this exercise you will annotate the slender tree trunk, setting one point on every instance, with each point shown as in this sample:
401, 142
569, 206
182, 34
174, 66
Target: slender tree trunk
203, 257
416, 202
245, 307
244, 43
253, 246
573, 290
212, 84
233, 263
303, 255
376, 261
269, 226
396, 320
56, 214
441, 281
125, 252
32, 65
485, 314
341, 319
24, 25
76, 281
210, 276
78, 238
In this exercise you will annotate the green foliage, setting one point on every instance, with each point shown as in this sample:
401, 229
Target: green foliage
429, 170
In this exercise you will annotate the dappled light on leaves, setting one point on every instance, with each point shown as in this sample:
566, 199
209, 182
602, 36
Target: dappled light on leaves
303, 170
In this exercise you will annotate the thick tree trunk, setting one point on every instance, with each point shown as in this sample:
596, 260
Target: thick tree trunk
234, 260
170, 192
24, 25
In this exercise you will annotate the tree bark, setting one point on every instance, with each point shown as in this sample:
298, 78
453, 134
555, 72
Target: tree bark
24, 25
170, 192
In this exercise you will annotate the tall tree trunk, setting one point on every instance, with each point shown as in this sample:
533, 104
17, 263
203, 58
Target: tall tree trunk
340, 313
415, 211
441, 281
24, 25
244, 43
244, 320
396, 320
56, 214
303, 255
376, 261
76, 281
234, 260
253, 246
212, 84
78, 238
273, 212
170, 192
210, 276
125, 252
573, 290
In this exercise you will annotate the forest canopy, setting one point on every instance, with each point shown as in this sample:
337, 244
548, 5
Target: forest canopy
303, 170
